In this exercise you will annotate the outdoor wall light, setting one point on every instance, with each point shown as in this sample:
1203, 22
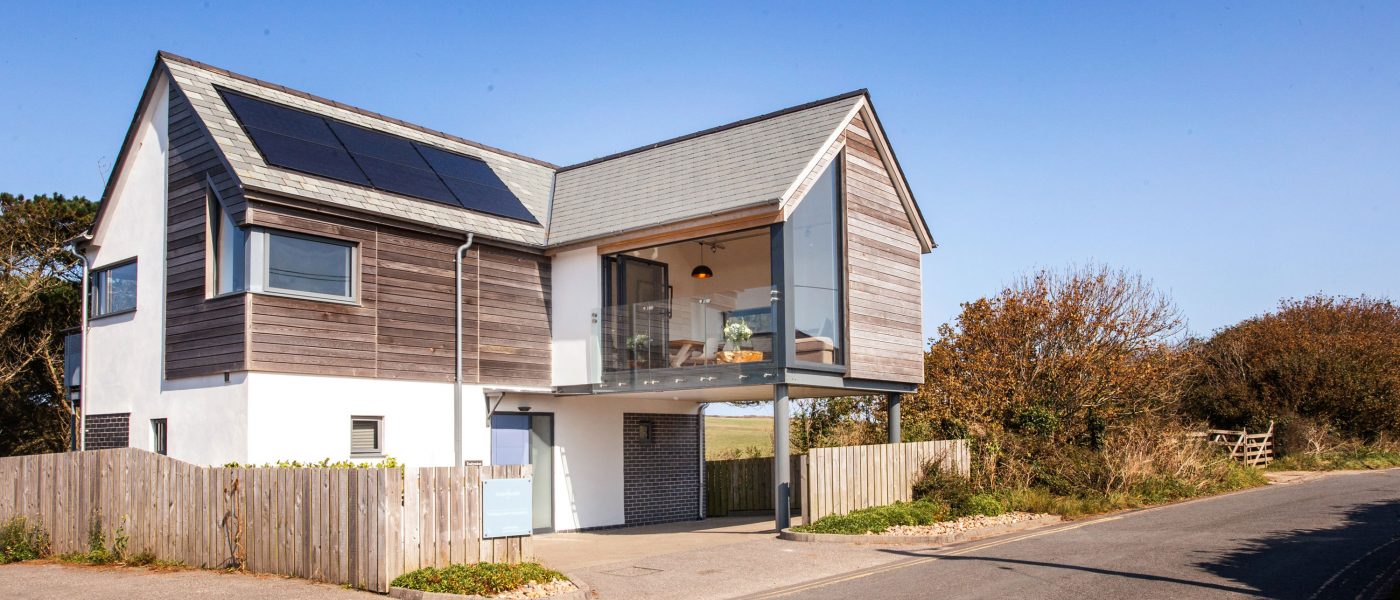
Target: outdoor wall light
644, 431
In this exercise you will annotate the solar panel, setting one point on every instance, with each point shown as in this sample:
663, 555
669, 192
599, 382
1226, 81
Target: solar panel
308, 157
392, 163
281, 120
301, 141
475, 184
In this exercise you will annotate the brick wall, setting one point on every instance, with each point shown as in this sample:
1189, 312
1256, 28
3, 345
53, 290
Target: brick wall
661, 477
107, 431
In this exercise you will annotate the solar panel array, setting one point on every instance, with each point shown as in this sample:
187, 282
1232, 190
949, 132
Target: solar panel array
297, 140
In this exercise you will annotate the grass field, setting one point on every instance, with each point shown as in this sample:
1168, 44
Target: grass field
726, 436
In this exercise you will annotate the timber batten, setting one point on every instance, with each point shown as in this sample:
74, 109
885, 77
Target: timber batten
401, 326
203, 336
883, 275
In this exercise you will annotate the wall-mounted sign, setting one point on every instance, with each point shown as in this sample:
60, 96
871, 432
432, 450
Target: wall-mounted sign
505, 507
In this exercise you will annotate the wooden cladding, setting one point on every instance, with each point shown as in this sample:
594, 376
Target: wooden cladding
202, 336
402, 325
883, 278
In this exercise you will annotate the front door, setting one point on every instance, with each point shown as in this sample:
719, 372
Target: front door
528, 439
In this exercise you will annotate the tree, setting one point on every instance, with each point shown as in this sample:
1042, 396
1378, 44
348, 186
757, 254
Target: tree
1062, 354
1327, 363
39, 298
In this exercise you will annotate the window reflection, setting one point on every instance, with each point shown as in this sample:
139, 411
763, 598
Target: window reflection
816, 260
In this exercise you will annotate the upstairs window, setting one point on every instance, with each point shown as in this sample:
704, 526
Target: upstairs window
228, 249
303, 265
818, 311
112, 290
243, 259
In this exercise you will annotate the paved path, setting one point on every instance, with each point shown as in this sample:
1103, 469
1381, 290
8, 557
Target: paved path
47, 581
1334, 537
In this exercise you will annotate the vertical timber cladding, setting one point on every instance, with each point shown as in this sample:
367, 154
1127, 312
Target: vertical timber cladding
202, 335
402, 325
660, 475
883, 280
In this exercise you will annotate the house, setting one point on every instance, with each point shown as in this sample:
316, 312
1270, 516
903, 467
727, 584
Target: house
277, 276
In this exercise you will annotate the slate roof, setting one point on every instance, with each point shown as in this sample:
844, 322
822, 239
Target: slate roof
743, 164
529, 179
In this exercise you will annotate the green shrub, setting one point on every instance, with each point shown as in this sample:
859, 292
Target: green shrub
482, 579
880, 518
939, 485
389, 462
21, 541
980, 504
1354, 458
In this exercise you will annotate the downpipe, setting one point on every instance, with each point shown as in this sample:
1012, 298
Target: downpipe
458, 455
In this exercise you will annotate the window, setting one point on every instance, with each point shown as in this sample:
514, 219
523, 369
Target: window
228, 249
817, 272
158, 436
303, 265
366, 436
112, 290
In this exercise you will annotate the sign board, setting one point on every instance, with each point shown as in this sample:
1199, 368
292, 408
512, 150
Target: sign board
505, 508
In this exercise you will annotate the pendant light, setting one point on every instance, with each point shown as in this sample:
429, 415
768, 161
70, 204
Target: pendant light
702, 271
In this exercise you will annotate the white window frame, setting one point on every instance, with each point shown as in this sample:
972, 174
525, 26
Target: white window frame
378, 421
259, 265
99, 290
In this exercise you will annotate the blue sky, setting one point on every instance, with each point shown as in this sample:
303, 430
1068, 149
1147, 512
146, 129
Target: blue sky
1234, 153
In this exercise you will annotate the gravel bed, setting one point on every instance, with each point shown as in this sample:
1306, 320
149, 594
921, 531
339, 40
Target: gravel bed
540, 590
963, 524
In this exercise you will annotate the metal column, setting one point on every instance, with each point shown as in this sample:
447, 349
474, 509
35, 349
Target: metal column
893, 424
782, 461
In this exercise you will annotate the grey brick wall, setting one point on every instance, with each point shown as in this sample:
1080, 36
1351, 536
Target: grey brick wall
107, 431
661, 477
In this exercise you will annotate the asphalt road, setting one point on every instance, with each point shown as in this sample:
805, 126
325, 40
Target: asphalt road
1334, 537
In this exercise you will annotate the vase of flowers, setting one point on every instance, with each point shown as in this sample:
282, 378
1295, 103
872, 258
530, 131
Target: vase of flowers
640, 346
736, 332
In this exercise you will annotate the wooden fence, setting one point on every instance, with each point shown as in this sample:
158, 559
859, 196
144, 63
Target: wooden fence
1253, 449
840, 480
360, 527
745, 484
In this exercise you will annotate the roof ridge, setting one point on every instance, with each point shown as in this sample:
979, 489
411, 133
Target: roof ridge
712, 130
162, 54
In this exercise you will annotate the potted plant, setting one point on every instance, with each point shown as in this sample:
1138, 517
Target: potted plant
736, 332
640, 345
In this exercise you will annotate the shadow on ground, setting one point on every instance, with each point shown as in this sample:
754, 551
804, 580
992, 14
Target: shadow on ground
1360, 558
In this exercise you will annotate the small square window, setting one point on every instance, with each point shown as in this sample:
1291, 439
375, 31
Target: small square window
158, 436
366, 436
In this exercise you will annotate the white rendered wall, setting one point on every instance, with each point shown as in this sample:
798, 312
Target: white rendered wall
206, 419
588, 452
307, 418
575, 280
125, 353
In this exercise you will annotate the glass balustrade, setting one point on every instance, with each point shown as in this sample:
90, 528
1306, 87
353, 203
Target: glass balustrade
718, 338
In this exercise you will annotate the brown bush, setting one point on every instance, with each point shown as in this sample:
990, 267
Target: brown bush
1325, 369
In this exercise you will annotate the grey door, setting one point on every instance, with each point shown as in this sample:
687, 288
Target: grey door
528, 439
